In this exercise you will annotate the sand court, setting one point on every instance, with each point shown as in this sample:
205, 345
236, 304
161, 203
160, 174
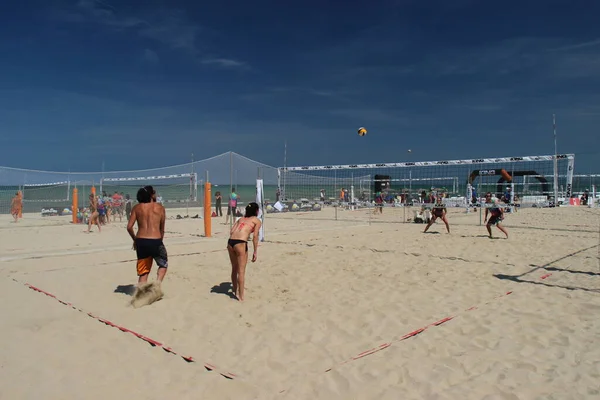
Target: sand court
321, 293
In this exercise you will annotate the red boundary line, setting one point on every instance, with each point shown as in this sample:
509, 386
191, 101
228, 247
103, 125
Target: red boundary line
151, 342
408, 335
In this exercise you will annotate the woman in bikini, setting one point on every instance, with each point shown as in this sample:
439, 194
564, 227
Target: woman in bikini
438, 211
94, 215
237, 246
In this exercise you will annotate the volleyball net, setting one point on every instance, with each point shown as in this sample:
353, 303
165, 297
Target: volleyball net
531, 181
178, 186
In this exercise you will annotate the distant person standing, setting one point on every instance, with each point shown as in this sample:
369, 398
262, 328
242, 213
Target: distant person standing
585, 197
378, 203
128, 206
497, 215
94, 217
16, 206
117, 202
232, 206
218, 199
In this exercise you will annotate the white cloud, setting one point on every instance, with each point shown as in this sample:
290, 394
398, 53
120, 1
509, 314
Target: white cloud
576, 46
224, 62
169, 27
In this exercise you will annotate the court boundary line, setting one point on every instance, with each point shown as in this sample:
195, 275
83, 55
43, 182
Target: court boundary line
178, 242
153, 343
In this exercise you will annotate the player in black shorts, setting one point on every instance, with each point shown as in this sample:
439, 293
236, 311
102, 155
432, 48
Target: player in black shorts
497, 214
438, 211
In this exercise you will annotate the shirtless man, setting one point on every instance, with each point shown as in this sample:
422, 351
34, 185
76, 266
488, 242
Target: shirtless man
16, 205
497, 215
94, 215
438, 211
148, 242
237, 246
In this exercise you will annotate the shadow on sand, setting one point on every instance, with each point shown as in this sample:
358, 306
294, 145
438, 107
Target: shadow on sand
223, 288
129, 290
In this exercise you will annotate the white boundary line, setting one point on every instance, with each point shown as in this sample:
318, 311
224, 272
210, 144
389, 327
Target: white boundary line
175, 241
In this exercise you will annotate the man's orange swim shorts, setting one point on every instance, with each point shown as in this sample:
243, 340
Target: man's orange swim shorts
148, 250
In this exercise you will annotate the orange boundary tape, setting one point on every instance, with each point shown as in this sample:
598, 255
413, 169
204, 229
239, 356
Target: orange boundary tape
150, 341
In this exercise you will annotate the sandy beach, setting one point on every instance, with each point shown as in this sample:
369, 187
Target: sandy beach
516, 318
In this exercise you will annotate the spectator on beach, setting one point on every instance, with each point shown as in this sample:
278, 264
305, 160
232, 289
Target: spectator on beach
378, 203
16, 206
117, 203
128, 206
94, 217
507, 195
585, 198
232, 206
218, 199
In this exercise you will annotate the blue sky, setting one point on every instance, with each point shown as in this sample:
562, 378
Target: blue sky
144, 84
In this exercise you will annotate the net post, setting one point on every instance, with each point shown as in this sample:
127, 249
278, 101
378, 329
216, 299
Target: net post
469, 197
207, 215
261, 211
513, 194
75, 209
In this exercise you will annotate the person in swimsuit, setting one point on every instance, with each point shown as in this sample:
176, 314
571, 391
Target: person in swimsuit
378, 203
232, 206
438, 211
148, 241
497, 215
237, 246
16, 206
128, 205
94, 215
218, 201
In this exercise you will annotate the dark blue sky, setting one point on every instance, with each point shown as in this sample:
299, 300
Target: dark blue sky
140, 84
